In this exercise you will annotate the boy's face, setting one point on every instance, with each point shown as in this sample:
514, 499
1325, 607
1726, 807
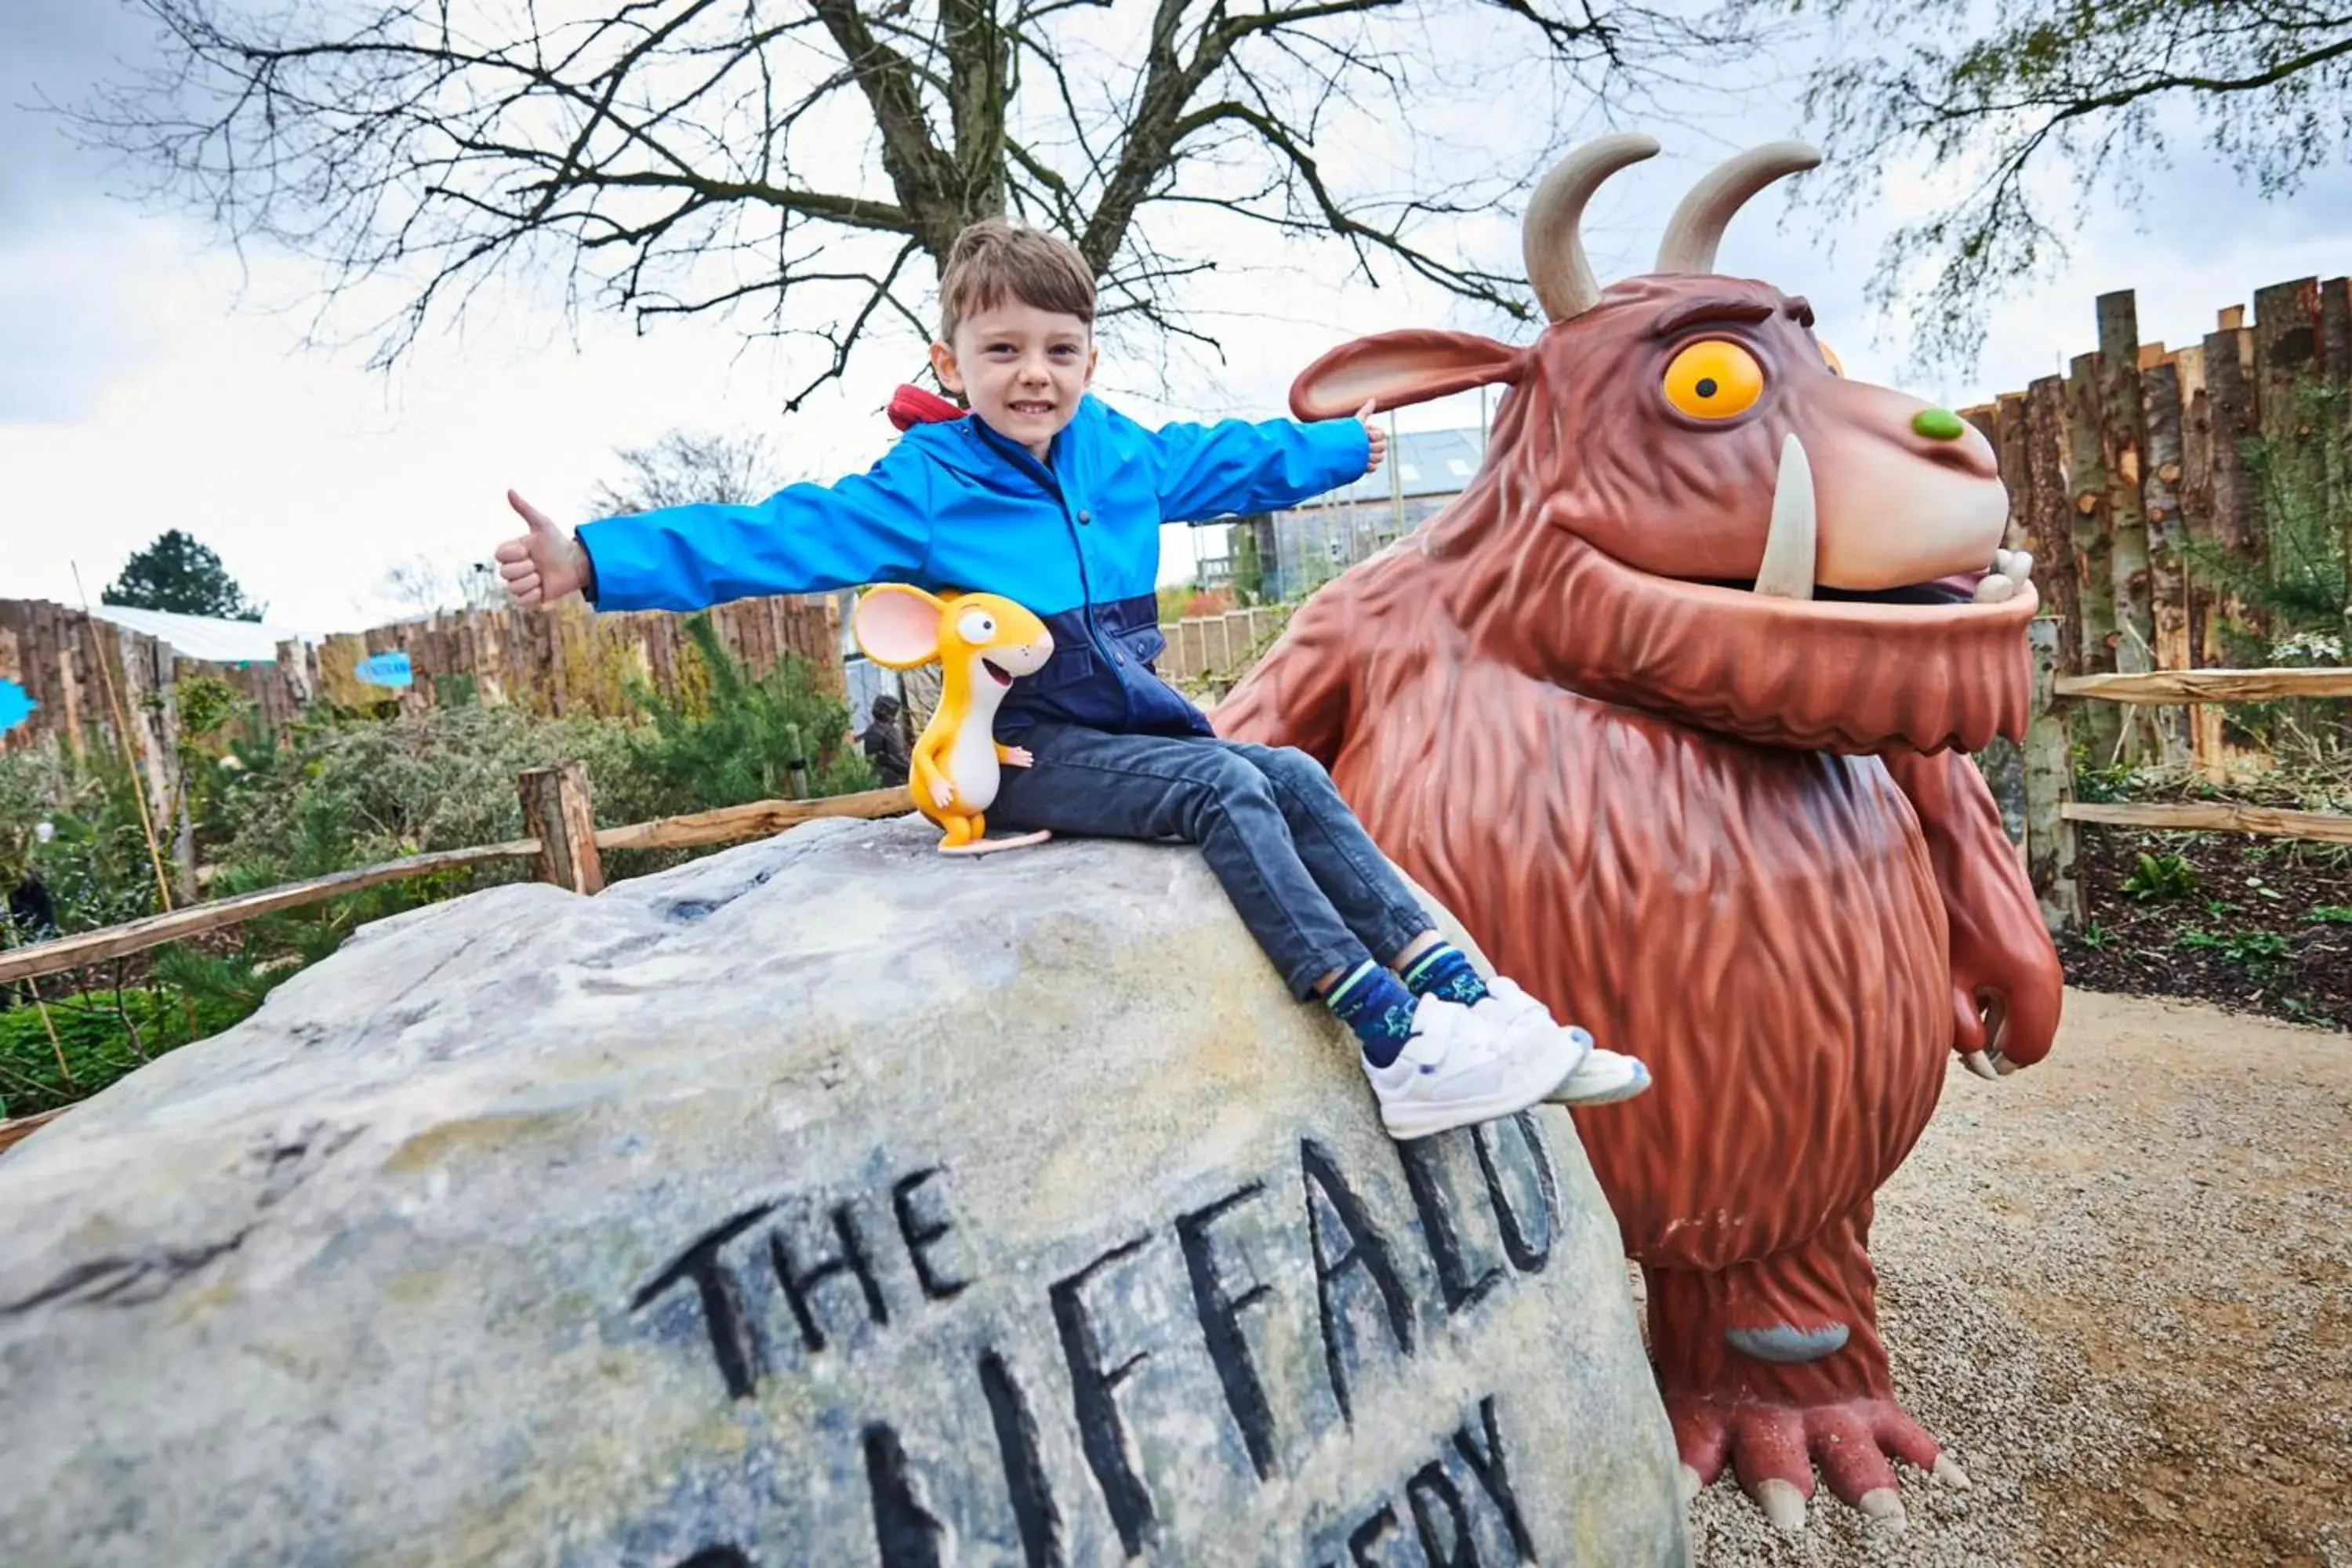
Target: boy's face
1022, 369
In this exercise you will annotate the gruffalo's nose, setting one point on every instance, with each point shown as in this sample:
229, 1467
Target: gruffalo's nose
1943, 436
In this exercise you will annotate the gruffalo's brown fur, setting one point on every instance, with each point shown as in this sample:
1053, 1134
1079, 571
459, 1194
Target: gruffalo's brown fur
1696, 777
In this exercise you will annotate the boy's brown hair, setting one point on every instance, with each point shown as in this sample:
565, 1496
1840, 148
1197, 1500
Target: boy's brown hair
991, 261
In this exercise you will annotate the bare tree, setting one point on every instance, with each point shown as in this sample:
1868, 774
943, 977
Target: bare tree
808, 163
423, 586
2093, 91
684, 467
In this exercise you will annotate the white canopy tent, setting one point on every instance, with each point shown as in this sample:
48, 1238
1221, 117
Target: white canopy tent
205, 638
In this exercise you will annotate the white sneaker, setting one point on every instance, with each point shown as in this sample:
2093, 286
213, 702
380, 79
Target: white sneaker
1598, 1077
1460, 1068
1602, 1078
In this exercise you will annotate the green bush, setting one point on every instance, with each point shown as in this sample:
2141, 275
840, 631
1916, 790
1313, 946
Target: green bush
742, 745
95, 1042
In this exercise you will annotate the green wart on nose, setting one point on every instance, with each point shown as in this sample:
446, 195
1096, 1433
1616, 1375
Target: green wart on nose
1937, 424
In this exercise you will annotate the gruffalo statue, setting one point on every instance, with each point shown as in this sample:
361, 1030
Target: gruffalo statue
1671, 708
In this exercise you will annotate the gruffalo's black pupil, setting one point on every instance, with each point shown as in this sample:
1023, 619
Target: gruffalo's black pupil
1707, 386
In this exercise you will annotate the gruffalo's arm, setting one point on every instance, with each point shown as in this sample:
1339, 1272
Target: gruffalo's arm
2006, 981
1299, 693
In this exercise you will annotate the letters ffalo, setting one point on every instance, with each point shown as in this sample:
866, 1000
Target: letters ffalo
1301, 1345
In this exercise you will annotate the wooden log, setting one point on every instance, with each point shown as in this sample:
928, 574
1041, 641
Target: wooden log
557, 812
73, 952
2198, 545
2218, 816
2049, 768
2211, 684
2009, 444
2237, 528
2287, 360
2049, 513
2123, 444
2167, 578
760, 819
2335, 330
2093, 547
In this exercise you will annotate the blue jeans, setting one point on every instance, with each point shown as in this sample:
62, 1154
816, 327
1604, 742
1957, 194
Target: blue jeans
1304, 875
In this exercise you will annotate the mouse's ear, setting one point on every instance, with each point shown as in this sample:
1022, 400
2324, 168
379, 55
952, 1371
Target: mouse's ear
897, 626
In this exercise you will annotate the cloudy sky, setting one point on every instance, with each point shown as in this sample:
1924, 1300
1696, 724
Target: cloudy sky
151, 378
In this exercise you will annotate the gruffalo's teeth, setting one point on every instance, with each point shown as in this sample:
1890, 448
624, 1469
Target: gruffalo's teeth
1994, 589
1787, 570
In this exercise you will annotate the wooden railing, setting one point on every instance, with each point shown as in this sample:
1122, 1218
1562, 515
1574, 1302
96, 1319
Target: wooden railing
2052, 812
566, 855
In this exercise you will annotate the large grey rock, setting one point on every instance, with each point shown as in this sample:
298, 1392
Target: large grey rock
828, 1201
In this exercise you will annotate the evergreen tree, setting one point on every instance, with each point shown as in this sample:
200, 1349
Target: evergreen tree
179, 575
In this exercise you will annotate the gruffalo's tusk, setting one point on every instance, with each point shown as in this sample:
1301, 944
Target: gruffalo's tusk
1548, 233
1787, 570
1697, 228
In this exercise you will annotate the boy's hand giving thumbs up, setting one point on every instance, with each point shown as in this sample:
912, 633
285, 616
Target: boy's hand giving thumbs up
545, 563
1380, 437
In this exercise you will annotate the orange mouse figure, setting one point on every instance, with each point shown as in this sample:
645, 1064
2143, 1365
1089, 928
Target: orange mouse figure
983, 642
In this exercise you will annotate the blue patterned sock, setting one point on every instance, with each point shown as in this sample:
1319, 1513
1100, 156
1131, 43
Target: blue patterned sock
1442, 971
1377, 1007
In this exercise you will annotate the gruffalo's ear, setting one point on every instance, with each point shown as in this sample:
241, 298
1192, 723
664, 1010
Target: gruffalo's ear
1393, 369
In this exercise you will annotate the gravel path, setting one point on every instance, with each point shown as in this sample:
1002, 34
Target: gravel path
2118, 1287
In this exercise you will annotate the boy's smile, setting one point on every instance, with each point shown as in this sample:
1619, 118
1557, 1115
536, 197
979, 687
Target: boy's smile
1022, 369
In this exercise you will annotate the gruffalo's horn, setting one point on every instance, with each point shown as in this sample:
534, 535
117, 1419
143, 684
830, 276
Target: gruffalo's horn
1563, 279
1697, 227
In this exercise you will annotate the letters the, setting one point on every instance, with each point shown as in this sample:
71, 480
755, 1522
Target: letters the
735, 1351
922, 1232
799, 1281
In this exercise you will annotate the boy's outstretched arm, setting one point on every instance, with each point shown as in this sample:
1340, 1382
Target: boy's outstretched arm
804, 539
1214, 471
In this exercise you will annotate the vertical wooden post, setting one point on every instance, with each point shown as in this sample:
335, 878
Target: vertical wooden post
2050, 515
2167, 583
556, 812
2093, 547
797, 764
2237, 510
2123, 446
2198, 542
2049, 784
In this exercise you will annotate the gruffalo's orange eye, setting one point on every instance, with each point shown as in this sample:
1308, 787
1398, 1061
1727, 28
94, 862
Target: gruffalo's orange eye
1828, 356
1716, 379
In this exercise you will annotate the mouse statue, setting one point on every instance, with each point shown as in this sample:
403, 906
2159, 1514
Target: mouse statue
983, 642
1670, 708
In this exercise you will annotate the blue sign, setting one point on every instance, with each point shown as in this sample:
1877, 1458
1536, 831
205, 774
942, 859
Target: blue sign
384, 669
15, 706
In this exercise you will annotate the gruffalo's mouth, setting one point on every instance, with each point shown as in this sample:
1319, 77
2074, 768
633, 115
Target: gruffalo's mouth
1923, 666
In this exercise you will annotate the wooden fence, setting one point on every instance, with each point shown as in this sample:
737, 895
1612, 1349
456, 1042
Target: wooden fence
1202, 649
2120, 469
567, 660
565, 844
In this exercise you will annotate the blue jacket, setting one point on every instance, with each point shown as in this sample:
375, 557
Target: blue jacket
954, 506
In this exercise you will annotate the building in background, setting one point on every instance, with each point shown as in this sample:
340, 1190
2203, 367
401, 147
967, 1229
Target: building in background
1289, 553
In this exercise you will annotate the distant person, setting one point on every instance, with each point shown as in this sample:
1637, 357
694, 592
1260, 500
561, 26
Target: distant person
886, 741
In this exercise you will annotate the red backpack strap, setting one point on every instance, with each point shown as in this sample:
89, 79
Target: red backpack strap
912, 406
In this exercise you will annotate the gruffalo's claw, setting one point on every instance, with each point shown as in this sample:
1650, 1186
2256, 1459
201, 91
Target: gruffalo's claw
1981, 1064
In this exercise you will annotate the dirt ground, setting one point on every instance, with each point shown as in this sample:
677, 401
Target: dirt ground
2118, 1287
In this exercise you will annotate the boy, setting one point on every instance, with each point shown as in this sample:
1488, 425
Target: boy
1045, 495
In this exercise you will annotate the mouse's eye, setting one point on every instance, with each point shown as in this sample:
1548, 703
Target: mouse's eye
976, 627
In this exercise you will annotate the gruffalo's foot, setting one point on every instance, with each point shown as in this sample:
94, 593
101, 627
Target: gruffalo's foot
1773, 1451
1773, 1367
